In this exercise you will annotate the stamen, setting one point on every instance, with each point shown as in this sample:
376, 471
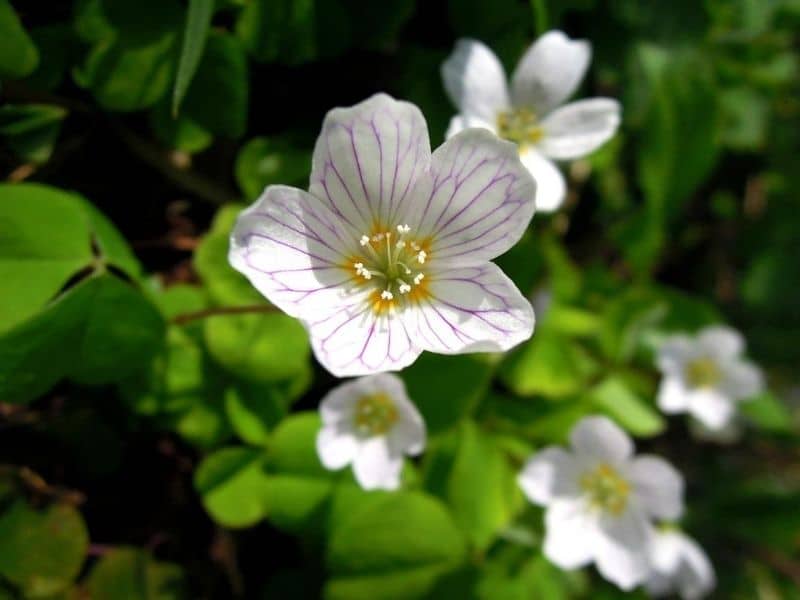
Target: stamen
400, 245
421, 256
387, 295
403, 228
364, 240
418, 278
404, 287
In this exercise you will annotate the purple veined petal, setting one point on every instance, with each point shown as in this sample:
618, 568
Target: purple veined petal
293, 250
579, 128
461, 122
472, 309
475, 202
367, 159
550, 71
356, 340
475, 80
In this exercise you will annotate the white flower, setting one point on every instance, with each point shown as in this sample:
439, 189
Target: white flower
371, 423
530, 114
601, 500
705, 375
679, 566
389, 252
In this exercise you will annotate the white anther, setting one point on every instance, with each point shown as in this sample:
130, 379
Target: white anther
404, 287
366, 274
377, 237
386, 295
403, 228
418, 278
364, 240
358, 266
421, 256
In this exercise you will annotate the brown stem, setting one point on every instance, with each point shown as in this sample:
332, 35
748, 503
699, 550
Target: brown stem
221, 310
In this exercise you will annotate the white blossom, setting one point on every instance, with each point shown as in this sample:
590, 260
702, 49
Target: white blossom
370, 423
679, 566
389, 252
705, 375
601, 500
530, 112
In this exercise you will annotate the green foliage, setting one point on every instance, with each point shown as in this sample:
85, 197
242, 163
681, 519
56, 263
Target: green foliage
18, 54
266, 161
130, 573
198, 22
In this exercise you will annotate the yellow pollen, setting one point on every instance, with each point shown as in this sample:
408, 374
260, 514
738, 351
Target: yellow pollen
519, 125
606, 489
374, 414
702, 372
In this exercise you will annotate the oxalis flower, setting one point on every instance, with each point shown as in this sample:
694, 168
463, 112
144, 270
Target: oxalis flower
601, 501
388, 253
371, 423
530, 114
706, 376
680, 566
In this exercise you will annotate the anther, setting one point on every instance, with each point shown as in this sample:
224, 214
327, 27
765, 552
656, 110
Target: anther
404, 287
387, 295
418, 278
421, 256
403, 228
364, 240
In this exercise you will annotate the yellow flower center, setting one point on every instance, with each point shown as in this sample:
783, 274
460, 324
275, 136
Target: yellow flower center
606, 489
519, 125
374, 414
702, 372
393, 263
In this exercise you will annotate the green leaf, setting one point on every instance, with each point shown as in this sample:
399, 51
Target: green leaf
443, 401
42, 551
746, 118
549, 364
279, 30
396, 547
30, 130
198, 23
18, 55
616, 399
132, 574
58, 43
267, 161
222, 75
768, 413
469, 472
181, 132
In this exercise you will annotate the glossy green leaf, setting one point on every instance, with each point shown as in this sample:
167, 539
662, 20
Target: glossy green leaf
181, 132
30, 130
132, 574
42, 551
770, 413
267, 161
18, 54
198, 22
621, 403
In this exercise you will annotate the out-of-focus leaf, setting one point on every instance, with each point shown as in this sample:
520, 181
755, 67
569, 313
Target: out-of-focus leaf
30, 130
505, 28
769, 413
443, 401
746, 117
266, 161
621, 403
469, 472
132, 574
18, 54
42, 551
198, 22
58, 43
396, 547
280, 30
181, 132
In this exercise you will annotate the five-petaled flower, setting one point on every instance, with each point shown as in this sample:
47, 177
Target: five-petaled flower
679, 566
371, 423
601, 501
529, 115
389, 252
706, 376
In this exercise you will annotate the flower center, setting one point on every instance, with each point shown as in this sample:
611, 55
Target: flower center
393, 263
702, 372
519, 125
374, 414
606, 489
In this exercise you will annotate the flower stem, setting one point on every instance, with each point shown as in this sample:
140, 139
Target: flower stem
539, 8
184, 318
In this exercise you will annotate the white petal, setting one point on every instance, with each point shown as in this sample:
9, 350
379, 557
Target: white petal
475, 202
673, 397
730, 433
742, 380
336, 446
354, 340
473, 309
549, 474
461, 122
721, 341
679, 563
712, 408
367, 159
570, 534
550, 71
673, 353
551, 187
293, 251
376, 467
658, 487
409, 434
338, 404
475, 80
599, 438
620, 549
579, 128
